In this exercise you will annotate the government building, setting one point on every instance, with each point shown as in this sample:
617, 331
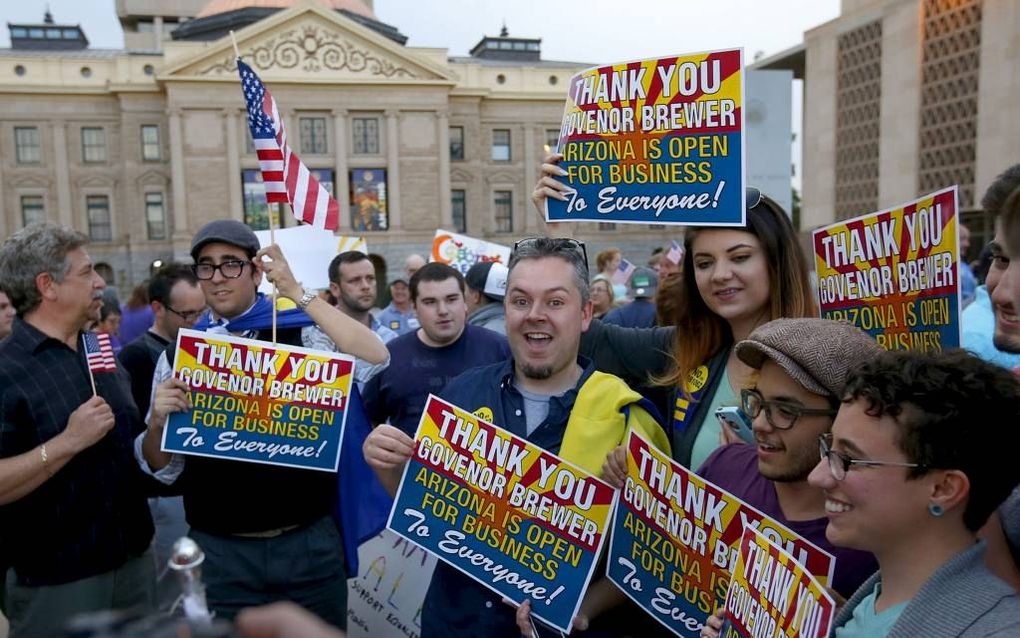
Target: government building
140, 146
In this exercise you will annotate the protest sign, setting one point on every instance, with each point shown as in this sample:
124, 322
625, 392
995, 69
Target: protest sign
772, 596
675, 539
895, 273
308, 251
658, 141
384, 600
252, 401
462, 252
517, 519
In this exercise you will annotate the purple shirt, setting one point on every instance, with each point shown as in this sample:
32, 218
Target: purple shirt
134, 322
734, 468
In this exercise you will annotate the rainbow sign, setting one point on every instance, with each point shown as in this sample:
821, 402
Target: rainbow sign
658, 141
895, 273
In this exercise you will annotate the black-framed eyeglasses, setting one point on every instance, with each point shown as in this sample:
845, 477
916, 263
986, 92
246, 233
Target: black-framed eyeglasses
752, 197
230, 269
187, 315
780, 414
553, 244
840, 464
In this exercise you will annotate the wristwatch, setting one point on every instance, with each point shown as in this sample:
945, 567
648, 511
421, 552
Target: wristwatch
307, 299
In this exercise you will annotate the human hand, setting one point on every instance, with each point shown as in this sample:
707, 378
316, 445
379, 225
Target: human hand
387, 448
283, 620
527, 627
549, 186
171, 396
88, 424
614, 469
278, 272
713, 625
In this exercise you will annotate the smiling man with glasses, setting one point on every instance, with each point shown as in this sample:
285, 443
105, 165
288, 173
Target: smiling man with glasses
801, 366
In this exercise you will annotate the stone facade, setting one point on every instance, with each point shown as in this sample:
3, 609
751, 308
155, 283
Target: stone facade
140, 148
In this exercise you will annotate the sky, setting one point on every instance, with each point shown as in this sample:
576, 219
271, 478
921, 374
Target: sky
587, 31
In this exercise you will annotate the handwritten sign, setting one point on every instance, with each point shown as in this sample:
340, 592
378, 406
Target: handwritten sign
676, 538
772, 596
658, 141
517, 519
462, 252
895, 273
252, 401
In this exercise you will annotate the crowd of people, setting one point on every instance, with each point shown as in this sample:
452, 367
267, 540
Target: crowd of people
897, 463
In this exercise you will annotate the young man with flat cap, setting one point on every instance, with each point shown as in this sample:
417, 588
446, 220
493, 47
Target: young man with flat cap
267, 531
802, 366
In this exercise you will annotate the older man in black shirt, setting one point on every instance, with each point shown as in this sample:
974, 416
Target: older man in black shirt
73, 517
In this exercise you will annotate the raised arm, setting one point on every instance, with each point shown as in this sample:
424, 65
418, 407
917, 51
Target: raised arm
633, 354
350, 336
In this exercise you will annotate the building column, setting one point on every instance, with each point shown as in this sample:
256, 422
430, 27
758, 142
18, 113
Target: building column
233, 165
157, 33
393, 170
445, 204
530, 224
182, 232
65, 209
7, 229
341, 181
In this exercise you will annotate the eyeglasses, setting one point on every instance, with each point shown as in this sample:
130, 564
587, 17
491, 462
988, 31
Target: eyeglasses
551, 244
839, 463
188, 315
229, 269
752, 197
780, 414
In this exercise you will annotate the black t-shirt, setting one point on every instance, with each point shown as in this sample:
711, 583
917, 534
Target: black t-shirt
139, 359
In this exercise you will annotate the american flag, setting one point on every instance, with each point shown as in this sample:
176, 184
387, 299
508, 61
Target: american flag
99, 352
623, 272
285, 176
676, 252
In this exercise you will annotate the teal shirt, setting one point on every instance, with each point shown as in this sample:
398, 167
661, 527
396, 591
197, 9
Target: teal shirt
708, 436
866, 623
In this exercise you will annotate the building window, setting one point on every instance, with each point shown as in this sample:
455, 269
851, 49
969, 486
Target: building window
457, 142
313, 135
256, 209
155, 215
366, 135
249, 143
504, 201
501, 145
459, 200
607, 226
552, 139
368, 200
93, 144
26, 145
33, 209
150, 142
98, 209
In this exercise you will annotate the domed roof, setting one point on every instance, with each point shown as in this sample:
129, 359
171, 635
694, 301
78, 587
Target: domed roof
225, 6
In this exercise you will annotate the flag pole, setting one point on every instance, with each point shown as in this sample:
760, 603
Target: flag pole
272, 224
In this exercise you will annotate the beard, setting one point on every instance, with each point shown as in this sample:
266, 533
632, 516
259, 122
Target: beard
536, 372
797, 468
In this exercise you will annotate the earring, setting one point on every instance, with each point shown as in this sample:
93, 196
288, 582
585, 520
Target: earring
935, 510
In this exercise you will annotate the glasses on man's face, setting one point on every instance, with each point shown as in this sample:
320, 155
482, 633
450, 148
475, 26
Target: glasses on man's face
780, 414
840, 464
557, 243
752, 197
189, 316
230, 269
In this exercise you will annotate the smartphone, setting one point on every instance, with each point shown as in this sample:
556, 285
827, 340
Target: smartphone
735, 419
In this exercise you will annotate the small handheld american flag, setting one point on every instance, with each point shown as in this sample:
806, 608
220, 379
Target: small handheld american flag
623, 272
284, 175
99, 352
676, 252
